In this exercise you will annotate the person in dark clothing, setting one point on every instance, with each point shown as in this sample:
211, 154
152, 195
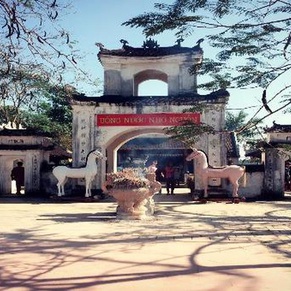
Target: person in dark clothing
17, 174
170, 179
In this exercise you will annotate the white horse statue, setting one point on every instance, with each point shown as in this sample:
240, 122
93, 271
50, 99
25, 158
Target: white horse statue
232, 172
89, 171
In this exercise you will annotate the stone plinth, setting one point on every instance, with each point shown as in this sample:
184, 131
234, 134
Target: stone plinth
133, 203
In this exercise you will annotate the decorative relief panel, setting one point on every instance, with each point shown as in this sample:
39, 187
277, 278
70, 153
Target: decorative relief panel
84, 138
269, 170
214, 146
35, 173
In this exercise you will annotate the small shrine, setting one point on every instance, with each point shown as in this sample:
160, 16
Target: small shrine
275, 156
35, 150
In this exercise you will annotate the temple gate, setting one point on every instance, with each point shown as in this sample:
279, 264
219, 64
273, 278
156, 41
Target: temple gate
120, 116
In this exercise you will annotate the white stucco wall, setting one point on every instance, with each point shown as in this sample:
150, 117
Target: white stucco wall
87, 136
119, 72
26, 148
253, 187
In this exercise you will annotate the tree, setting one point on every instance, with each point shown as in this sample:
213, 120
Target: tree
20, 90
28, 98
233, 122
53, 116
35, 53
189, 132
253, 40
30, 32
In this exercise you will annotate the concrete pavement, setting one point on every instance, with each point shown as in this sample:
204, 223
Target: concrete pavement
185, 246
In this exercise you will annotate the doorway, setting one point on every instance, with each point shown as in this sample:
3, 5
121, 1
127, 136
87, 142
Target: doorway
18, 177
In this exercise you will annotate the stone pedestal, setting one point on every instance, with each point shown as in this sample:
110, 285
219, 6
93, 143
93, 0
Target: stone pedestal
133, 203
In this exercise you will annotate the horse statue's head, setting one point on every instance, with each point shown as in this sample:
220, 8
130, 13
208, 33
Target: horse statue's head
195, 153
98, 155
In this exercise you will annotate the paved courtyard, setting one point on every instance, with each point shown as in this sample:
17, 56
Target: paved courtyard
48, 245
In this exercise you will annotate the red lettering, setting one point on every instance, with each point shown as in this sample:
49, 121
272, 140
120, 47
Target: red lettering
154, 119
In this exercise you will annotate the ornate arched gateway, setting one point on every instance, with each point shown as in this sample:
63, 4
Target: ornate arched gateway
121, 122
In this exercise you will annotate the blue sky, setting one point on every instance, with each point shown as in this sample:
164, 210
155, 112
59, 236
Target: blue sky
91, 21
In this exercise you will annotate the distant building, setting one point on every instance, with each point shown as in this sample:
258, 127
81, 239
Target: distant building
32, 148
275, 157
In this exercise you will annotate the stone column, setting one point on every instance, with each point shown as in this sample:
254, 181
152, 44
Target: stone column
274, 179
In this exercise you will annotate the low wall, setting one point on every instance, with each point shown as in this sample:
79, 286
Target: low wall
254, 185
254, 181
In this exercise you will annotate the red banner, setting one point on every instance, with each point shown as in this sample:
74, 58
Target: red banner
154, 119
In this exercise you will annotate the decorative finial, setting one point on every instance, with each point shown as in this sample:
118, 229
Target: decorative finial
199, 41
179, 41
124, 42
150, 44
99, 45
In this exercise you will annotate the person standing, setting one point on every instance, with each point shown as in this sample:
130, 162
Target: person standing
156, 186
170, 179
153, 168
17, 174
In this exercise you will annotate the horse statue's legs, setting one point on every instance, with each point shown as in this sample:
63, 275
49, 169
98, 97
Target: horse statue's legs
235, 186
89, 181
88, 193
61, 187
205, 185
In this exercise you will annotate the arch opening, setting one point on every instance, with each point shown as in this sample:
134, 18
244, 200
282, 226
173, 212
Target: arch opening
151, 83
153, 88
140, 149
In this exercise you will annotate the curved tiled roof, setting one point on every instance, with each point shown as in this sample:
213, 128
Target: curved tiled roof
278, 128
150, 48
47, 144
182, 99
22, 132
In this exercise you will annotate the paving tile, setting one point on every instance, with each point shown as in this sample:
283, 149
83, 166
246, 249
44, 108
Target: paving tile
184, 246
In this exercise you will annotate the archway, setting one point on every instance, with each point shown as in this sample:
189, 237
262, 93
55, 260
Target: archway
141, 147
114, 144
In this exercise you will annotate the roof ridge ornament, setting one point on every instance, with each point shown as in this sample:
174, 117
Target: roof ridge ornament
124, 42
150, 44
151, 48
179, 41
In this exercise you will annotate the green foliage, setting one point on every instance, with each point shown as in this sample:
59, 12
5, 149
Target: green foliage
21, 89
53, 116
237, 122
35, 54
189, 132
29, 99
